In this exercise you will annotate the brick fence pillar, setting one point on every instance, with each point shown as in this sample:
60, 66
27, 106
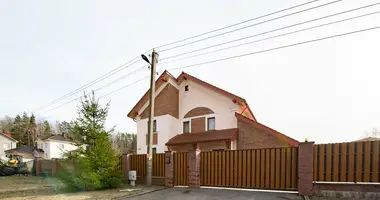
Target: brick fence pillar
169, 169
305, 168
194, 167
125, 165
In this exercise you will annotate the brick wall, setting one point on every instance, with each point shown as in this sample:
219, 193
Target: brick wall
350, 190
198, 124
251, 137
305, 168
167, 102
198, 112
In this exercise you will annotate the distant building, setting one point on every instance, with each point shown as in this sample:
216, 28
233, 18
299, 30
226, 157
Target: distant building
55, 146
27, 152
6, 143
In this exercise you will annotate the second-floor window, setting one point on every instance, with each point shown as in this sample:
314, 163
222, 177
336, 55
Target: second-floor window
211, 123
61, 146
6, 146
186, 127
154, 126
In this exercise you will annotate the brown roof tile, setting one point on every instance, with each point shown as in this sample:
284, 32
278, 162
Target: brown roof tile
206, 136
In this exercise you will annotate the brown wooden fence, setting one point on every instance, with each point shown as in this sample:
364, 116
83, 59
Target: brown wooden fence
181, 169
119, 166
257, 168
347, 162
138, 163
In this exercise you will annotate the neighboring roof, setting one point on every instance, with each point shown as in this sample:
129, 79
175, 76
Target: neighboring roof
258, 125
24, 149
368, 139
206, 136
184, 76
57, 137
9, 137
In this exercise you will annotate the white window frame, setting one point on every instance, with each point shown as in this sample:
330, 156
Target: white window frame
8, 146
183, 121
195, 117
206, 128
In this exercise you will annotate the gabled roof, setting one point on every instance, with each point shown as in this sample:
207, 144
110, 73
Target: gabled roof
56, 137
182, 77
8, 137
289, 140
205, 136
24, 149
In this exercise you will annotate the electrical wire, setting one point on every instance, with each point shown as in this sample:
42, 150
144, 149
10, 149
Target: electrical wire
249, 26
99, 97
97, 80
236, 24
276, 48
276, 36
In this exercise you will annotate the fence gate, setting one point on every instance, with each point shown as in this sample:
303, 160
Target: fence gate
181, 169
274, 168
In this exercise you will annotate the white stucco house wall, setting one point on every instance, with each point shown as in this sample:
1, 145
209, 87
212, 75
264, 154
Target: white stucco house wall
55, 146
6, 143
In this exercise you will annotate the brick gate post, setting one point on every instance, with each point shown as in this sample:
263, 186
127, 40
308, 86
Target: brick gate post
194, 167
305, 168
169, 169
125, 165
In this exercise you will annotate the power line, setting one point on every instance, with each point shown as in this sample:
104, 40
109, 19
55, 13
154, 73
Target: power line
101, 78
244, 27
272, 37
99, 97
236, 24
276, 48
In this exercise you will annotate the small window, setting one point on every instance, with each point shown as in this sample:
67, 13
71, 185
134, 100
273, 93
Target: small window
154, 150
186, 127
186, 88
154, 126
6, 146
211, 123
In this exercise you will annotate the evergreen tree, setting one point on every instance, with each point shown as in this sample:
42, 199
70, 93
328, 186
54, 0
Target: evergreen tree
98, 160
47, 129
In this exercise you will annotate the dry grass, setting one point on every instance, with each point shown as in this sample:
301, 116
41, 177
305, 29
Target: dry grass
33, 188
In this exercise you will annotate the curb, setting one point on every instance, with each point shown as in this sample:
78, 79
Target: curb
139, 194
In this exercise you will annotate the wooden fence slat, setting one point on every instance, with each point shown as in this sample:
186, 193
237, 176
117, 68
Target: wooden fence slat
239, 170
367, 161
213, 182
351, 161
278, 167
335, 177
375, 161
253, 168
321, 162
244, 173
288, 167
294, 167
359, 160
223, 168
232, 168
272, 169
262, 168
249, 168
267, 168
283, 167
315, 162
258, 169
216, 175
236, 168
228, 168
328, 161
343, 162
220, 168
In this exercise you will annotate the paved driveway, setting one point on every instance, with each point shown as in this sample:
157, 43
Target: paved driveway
209, 194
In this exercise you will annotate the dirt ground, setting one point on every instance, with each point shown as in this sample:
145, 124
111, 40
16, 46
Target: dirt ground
33, 188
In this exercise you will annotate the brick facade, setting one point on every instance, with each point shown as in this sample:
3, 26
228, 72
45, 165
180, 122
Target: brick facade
169, 169
305, 168
194, 168
166, 103
251, 137
198, 124
198, 112
125, 165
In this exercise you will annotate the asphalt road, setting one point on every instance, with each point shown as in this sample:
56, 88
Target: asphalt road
210, 194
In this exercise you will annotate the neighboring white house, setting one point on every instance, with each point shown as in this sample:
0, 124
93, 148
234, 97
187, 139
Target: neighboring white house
6, 143
191, 113
55, 146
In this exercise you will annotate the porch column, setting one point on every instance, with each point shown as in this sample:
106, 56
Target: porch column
305, 168
194, 167
169, 169
125, 165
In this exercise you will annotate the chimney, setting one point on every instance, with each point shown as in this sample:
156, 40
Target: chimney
7, 134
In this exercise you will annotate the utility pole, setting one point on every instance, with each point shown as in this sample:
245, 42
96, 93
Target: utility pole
152, 93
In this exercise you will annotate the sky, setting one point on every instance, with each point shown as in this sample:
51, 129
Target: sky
325, 91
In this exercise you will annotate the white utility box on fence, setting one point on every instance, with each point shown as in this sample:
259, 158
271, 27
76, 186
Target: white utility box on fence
132, 177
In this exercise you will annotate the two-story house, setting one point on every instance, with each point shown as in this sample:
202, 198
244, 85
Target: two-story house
190, 113
55, 146
6, 143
